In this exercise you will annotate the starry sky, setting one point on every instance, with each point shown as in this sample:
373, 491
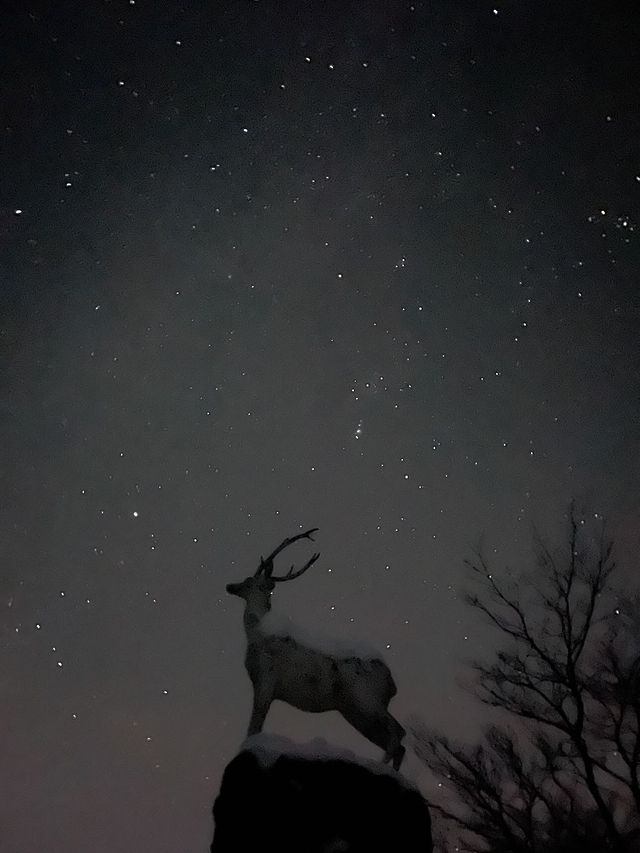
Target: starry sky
266, 266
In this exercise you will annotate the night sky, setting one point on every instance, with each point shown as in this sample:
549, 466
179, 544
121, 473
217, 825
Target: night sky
265, 266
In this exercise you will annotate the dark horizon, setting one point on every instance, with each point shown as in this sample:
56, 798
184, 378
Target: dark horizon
268, 266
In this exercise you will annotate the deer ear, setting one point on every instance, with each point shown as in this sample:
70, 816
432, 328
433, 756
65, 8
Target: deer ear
271, 585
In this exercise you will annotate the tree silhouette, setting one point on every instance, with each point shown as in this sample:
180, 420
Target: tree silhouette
566, 776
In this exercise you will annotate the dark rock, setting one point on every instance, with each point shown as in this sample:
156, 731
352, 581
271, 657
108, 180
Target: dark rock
278, 797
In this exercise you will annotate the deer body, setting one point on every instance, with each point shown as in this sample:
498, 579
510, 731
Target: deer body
312, 681
285, 668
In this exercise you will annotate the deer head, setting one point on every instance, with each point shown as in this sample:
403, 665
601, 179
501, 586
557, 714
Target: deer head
257, 588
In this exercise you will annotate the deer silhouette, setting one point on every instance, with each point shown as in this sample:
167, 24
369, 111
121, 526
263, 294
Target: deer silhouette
282, 667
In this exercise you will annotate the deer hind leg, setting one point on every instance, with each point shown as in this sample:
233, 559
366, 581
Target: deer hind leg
395, 750
378, 728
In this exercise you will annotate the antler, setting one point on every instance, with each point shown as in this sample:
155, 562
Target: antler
291, 574
266, 565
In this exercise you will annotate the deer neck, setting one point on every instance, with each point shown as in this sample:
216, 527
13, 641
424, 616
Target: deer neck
253, 613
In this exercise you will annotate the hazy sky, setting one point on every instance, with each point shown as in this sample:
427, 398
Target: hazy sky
365, 266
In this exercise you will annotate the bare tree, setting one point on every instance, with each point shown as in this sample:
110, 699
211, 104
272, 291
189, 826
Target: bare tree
567, 671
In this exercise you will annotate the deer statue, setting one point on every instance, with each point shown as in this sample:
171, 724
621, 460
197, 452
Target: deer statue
283, 667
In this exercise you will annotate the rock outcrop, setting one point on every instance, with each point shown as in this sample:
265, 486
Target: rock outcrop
277, 796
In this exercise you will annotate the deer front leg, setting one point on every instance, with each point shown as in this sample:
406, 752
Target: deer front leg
261, 703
